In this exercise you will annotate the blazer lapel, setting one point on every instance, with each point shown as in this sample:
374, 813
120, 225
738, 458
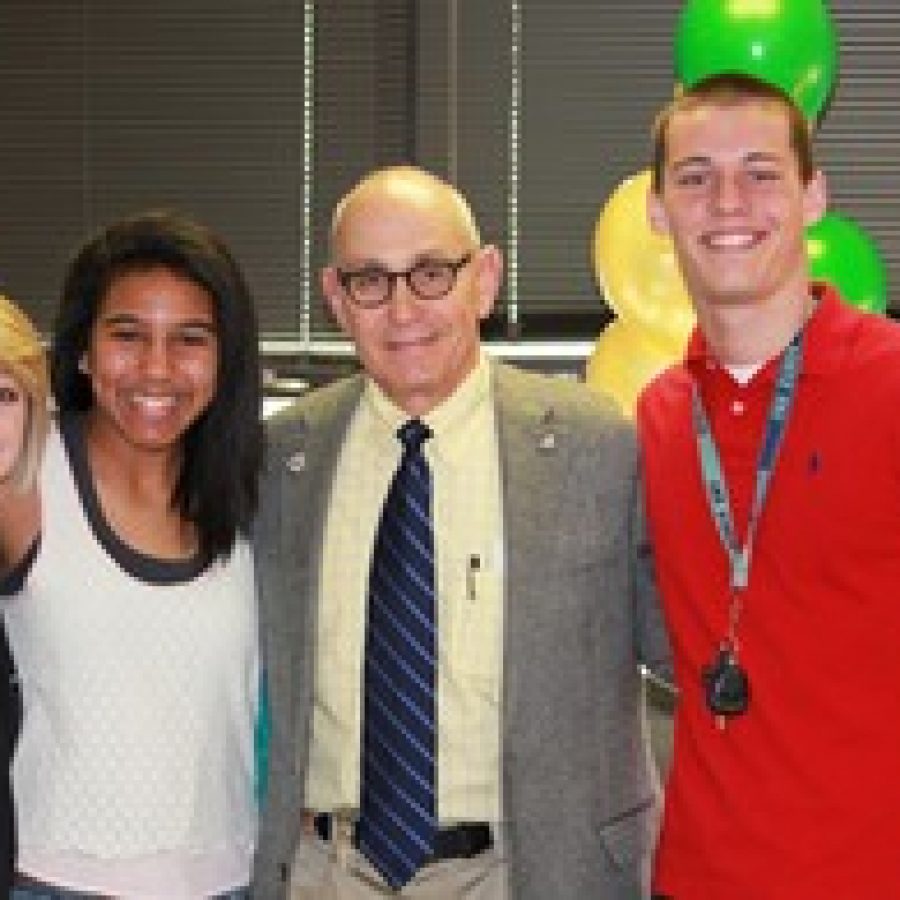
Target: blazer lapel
533, 462
308, 466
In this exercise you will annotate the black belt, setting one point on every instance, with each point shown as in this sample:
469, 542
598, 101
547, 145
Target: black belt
456, 842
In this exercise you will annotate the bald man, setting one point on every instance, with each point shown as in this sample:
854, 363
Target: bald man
505, 652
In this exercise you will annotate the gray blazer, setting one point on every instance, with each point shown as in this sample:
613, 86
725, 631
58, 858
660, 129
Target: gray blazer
580, 796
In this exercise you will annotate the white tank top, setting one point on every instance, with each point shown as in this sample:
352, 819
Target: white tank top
139, 683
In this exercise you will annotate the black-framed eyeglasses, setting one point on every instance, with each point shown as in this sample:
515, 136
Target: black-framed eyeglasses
428, 279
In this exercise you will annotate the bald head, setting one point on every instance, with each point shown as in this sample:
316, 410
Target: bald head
412, 187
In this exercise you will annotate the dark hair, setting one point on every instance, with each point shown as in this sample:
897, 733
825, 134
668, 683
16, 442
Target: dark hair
217, 487
731, 89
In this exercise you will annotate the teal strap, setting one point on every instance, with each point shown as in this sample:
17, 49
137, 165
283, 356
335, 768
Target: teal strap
739, 557
261, 732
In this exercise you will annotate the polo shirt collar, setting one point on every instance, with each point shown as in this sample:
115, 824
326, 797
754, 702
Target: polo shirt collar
823, 346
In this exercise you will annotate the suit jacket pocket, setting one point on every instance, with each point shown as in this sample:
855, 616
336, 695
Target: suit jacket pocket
628, 836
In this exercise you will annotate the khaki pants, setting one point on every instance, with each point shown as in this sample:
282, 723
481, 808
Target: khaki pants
335, 870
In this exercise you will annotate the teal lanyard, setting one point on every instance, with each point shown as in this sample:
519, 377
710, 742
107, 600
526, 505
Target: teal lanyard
739, 557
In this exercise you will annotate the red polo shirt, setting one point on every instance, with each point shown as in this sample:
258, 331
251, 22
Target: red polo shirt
799, 797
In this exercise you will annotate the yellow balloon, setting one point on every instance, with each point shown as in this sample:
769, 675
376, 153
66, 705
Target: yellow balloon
624, 360
637, 270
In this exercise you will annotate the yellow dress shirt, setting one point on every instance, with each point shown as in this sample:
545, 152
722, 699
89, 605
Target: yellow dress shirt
468, 527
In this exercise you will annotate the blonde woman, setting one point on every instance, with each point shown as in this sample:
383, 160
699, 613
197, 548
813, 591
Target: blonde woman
23, 425
23, 397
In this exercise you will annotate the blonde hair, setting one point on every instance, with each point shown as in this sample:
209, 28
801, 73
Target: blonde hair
22, 357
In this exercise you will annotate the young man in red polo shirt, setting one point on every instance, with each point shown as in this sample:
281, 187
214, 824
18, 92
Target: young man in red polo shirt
772, 468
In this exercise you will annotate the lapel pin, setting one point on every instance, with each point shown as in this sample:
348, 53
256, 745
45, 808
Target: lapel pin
547, 437
297, 462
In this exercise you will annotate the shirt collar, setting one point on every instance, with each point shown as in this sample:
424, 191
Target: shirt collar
823, 347
445, 417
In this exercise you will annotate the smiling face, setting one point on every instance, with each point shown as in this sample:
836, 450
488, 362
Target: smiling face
13, 420
418, 351
152, 359
734, 203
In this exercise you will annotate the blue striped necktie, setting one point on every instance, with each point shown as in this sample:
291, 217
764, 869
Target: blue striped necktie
398, 819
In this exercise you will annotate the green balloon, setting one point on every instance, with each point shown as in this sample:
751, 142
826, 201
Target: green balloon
841, 253
789, 43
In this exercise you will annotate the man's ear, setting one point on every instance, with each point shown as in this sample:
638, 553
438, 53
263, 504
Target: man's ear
334, 295
489, 276
656, 213
815, 198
